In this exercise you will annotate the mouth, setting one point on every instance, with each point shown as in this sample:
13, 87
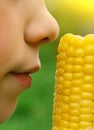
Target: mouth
24, 77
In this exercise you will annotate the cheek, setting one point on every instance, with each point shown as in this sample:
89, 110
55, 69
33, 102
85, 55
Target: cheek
9, 35
8, 45
5, 52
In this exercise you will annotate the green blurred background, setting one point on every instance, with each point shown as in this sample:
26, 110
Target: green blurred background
34, 109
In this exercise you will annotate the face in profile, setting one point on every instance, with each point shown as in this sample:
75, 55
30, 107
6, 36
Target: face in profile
24, 26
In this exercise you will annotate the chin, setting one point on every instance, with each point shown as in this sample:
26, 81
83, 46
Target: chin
6, 112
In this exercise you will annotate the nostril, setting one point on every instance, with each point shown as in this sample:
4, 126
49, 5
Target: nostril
43, 41
46, 39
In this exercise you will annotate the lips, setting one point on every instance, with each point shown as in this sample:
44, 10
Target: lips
23, 78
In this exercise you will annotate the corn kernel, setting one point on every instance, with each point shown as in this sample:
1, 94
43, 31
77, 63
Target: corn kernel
87, 96
79, 52
78, 75
70, 51
75, 98
77, 82
68, 68
69, 60
86, 103
67, 76
84, 125
85, 110
73, 125
89, 50
88, 79
87, 88
84, 117
88, 68
75, 90
89, 59
77, 69
64, 123
74, 119
78, 61
74, 105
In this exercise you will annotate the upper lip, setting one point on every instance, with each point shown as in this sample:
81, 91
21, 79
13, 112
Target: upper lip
28, 71
32, 70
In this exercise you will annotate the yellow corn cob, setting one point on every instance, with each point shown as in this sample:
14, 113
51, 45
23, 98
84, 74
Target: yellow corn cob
74, 84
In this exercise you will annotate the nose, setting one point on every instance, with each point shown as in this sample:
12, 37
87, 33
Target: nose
41, 29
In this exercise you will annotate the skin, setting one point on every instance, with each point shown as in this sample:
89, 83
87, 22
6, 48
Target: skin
24, 26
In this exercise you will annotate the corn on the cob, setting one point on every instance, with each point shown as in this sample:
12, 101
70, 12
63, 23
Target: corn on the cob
74, 84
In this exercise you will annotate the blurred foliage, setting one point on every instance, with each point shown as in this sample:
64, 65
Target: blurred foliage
75, 16
34, 109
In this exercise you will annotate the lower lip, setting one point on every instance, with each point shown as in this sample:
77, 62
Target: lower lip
24, 79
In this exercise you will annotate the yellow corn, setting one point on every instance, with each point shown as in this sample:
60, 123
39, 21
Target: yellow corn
74, 84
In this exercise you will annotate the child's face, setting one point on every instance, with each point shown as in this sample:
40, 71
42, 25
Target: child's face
24, 26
